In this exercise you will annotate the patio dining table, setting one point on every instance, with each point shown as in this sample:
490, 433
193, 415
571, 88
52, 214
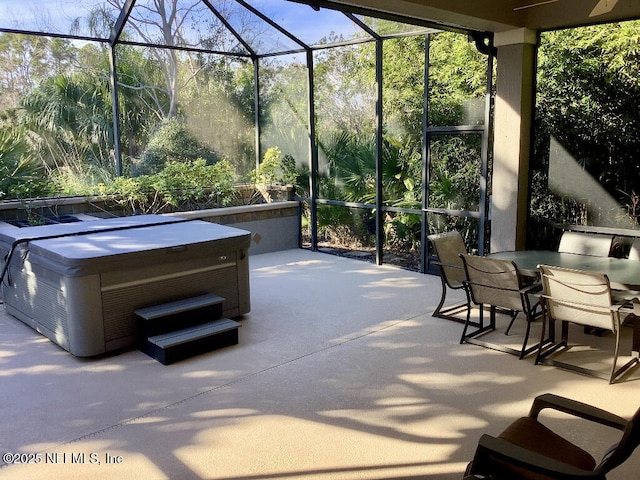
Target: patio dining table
623, 274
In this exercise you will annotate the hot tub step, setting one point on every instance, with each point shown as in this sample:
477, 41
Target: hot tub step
168, 317
188, 342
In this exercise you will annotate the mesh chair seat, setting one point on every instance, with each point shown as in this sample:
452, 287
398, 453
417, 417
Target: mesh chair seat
498, 284
581, 298
448, 247
586, 244
634, 251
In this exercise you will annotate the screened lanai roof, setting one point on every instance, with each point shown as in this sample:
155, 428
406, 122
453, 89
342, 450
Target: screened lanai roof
254, 28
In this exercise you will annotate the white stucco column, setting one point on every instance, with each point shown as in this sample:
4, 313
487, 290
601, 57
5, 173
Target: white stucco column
512, 138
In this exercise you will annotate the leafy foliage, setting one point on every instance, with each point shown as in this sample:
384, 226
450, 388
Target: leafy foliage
187, 185
20, 176
457, 80
172, 143
275, 169
458, 84
66, 115
345, 90
455, 173
181, 111
588, 92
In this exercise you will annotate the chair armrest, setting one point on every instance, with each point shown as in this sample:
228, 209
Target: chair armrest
626, 300
578, 409
623, 296
489, 446
528, 290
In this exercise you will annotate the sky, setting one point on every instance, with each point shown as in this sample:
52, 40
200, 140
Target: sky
35, 14
301, 20
305, 22
308, 25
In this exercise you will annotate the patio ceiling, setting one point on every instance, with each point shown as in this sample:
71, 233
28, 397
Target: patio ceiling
502, 15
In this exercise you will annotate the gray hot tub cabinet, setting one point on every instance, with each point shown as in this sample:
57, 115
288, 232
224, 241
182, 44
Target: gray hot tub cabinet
81, 287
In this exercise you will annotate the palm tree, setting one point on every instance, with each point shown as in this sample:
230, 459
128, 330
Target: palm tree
20, 176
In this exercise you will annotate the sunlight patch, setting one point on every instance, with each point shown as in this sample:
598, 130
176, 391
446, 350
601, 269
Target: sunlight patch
330, 448
145, 420
406, 282
306, 263
394, 345
33, 370
226, 413
99, 368
417, 360
422, 421
402, 402
510, 410
204, 374
448, 381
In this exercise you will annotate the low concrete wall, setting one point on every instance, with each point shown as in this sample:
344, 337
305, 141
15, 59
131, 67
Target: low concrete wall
12, 210
273, 226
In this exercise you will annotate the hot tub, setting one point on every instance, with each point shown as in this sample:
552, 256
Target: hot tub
79, 284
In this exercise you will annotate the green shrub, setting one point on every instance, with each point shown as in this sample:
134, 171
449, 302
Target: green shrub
275, 169
171, 143
180, 186
195, 182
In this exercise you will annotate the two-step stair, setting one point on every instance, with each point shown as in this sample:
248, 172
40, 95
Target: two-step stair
177, 330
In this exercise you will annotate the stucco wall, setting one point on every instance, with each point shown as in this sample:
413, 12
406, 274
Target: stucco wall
273, 226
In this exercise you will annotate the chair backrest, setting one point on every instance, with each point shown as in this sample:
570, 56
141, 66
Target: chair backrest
634, 252
577, 296
448, 248
619, 453
586, 244
493, 281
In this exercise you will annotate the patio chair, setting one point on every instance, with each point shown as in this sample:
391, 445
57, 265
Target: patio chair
498, 284
634, 251
585, 299
586, 244
448, 247
528, 449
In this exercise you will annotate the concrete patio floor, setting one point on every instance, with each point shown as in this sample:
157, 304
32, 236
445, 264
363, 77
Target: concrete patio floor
341, 373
